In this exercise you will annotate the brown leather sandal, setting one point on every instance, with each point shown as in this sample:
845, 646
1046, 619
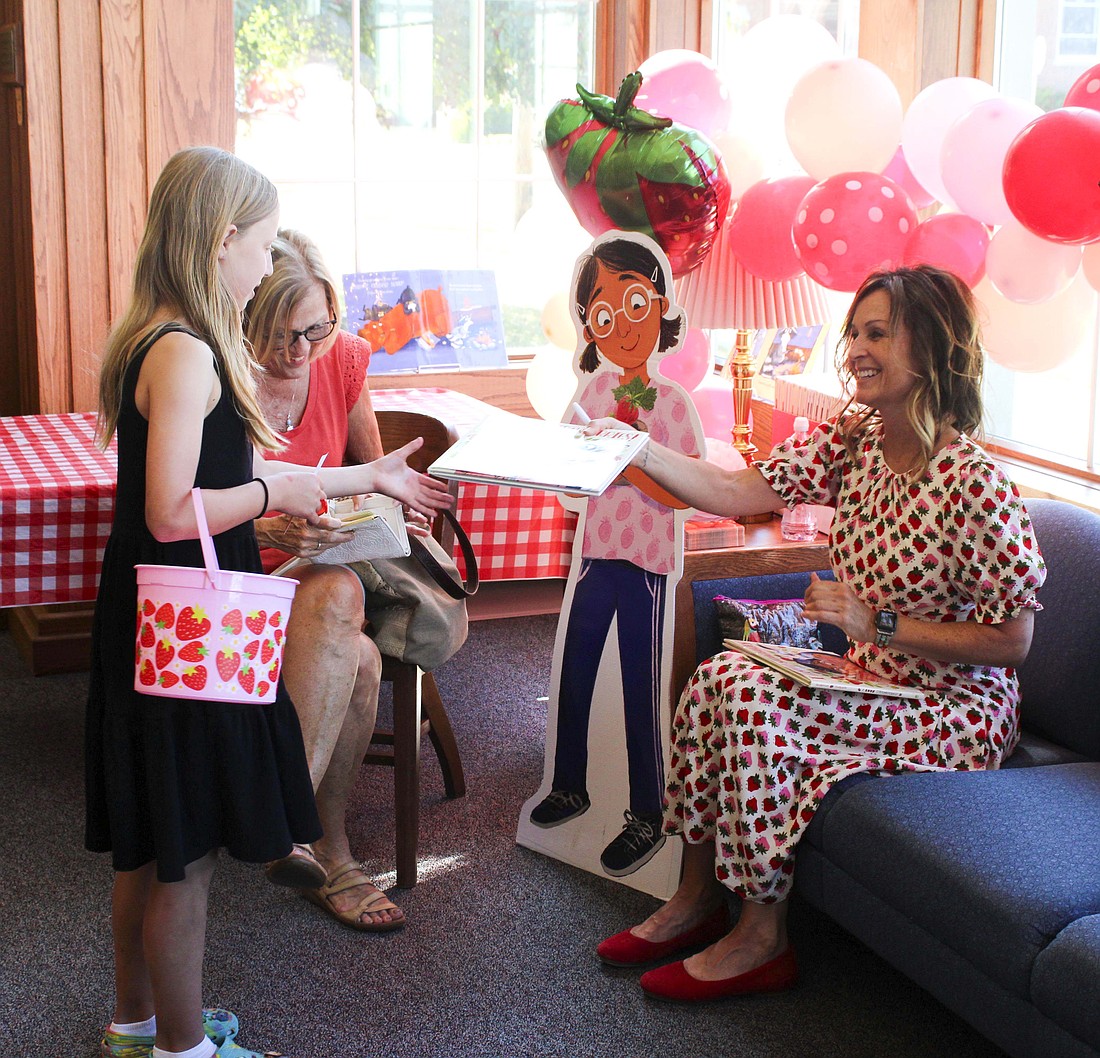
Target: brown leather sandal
351, 875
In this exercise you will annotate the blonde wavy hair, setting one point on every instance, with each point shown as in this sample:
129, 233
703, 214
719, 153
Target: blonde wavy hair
199, 195
936, 309
297, 266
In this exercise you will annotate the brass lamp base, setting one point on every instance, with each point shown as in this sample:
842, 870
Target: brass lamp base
741, 368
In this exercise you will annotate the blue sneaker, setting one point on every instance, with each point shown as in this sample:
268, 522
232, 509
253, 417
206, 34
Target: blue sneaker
221, 1026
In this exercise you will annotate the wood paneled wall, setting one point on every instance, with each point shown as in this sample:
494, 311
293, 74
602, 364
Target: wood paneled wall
111, 91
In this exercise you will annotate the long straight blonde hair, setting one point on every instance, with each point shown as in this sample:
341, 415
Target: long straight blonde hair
199, 195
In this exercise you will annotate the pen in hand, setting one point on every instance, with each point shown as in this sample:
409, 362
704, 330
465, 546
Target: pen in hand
581, 415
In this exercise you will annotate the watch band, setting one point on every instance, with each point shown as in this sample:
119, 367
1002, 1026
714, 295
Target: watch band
886, 624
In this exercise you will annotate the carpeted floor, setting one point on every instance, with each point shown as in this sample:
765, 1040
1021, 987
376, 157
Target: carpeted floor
496, 961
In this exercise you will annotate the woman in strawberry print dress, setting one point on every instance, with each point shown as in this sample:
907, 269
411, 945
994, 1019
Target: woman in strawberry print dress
937, 570
630, 543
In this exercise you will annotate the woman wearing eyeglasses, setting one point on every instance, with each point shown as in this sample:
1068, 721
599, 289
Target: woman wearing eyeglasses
629, 321
313, 392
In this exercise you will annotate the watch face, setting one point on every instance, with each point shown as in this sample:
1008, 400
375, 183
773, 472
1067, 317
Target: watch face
886, 622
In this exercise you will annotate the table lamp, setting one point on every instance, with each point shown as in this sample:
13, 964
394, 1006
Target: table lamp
720, 293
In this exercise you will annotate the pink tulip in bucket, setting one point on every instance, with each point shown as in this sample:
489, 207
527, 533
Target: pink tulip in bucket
207, 633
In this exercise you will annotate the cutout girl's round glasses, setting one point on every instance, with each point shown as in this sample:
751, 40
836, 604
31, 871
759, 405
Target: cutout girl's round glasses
637, 303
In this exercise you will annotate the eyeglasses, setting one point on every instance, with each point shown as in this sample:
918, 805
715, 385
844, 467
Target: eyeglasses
315, 332
637, 303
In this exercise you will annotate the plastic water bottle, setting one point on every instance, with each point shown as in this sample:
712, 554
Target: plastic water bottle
798, 521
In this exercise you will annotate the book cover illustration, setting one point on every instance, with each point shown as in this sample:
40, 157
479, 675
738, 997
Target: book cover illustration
507, 449
427, 319
821, 669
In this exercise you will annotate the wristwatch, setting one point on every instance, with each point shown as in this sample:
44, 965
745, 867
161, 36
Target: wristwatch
886, 624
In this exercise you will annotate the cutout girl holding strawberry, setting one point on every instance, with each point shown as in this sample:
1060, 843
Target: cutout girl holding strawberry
632, 539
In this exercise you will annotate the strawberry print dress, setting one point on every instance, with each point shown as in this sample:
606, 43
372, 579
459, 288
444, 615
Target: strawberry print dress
169, 779
753, 753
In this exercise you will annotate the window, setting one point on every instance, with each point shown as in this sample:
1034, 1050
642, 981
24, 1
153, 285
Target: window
1078, 30
405, 133
1049, 415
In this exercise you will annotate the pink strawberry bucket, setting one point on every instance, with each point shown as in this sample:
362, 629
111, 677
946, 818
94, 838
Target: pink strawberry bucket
207, 633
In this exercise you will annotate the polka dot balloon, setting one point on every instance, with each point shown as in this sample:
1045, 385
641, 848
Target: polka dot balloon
850, 225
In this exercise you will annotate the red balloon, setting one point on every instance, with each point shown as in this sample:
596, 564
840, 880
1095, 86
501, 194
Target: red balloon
1050, 176
850, 225
952, 241
766, 211
1085, 91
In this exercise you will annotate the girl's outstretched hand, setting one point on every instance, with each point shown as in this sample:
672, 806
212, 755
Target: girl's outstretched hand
298, 493
394, 477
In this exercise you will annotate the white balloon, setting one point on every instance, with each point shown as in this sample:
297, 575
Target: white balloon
545, 245
1027, 269
762, 69
843, 115
743, 160
1036, 337
550, 382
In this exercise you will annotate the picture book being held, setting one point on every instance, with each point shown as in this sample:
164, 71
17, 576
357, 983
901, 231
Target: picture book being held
376, 529
507, 449
821, 670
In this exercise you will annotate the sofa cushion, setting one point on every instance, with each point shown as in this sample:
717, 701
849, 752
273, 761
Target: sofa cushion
1062, 671
1065, 983
996, 863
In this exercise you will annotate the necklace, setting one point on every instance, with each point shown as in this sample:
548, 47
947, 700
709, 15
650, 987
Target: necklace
287, 416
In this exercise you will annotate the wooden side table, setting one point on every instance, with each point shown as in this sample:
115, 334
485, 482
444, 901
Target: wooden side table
765, 552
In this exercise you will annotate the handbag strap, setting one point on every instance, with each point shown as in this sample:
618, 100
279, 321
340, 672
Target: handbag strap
454, 588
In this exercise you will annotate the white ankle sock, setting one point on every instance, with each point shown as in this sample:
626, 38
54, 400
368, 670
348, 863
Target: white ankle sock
148, 1027
200, 1050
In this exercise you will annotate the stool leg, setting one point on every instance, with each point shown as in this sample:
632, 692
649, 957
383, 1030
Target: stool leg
443, 739
406, 770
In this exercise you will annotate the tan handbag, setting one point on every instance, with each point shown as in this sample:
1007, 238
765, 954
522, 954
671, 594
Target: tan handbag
416, 605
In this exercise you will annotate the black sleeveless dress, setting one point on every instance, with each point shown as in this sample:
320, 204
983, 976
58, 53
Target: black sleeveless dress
168, 779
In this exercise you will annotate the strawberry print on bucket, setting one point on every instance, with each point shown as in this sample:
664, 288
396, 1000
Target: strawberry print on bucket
209, 633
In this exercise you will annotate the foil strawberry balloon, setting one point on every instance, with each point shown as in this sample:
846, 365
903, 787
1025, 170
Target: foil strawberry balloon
622, 167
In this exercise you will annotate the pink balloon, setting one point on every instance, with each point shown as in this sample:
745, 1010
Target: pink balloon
850, 225
687, 87
952, 241
934, 110
713, 400
973, 155
1050, 176
762, 219
1085, 91
690, 363
1029, 270
898, 170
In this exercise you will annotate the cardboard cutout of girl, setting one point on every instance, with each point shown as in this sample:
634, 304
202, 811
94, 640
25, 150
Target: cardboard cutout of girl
628, 552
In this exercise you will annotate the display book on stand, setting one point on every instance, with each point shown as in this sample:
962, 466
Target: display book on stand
376, 527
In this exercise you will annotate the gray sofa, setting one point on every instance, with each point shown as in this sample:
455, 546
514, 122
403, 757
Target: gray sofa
983, 887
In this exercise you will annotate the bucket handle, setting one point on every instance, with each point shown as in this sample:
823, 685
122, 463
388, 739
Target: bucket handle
210, 556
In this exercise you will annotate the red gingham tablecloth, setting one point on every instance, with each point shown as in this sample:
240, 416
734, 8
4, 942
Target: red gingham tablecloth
57, 501
57, 496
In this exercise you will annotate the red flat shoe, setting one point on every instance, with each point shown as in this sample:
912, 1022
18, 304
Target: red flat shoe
674, 983
626, 949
